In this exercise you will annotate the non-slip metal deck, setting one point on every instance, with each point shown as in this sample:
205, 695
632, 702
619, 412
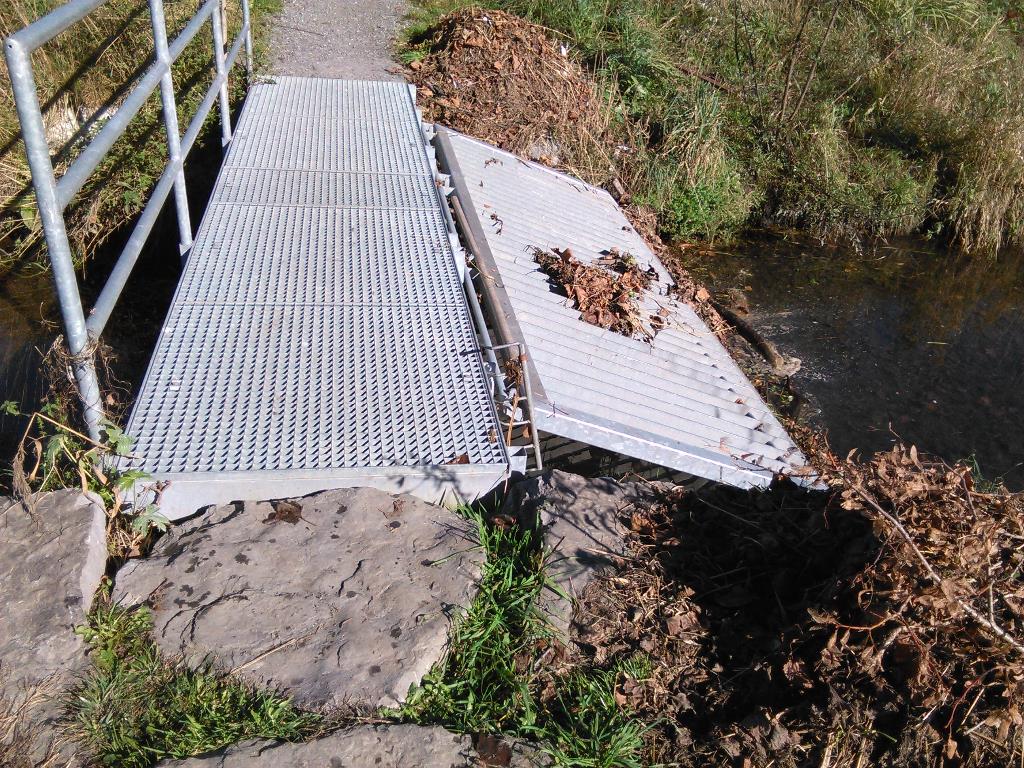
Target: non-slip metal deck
319, 336
679, 400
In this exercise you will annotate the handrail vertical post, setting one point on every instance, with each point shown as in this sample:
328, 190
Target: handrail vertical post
219, 58
170, 110
247, 23
65, 280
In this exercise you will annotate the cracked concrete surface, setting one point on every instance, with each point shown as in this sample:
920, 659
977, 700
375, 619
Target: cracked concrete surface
336, 38
342, 596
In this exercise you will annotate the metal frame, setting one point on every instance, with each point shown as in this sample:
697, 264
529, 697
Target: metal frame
53, 195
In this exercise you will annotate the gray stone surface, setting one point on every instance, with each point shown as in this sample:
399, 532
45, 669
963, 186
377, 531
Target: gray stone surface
580, 520
52, 558
341, 596
336, 38
366, 746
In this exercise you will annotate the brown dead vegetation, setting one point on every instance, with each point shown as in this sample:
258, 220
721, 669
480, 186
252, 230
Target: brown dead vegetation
605, 292
879, 625
501, 79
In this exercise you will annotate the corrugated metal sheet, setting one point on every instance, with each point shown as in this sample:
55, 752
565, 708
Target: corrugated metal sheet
680, 400
320, 335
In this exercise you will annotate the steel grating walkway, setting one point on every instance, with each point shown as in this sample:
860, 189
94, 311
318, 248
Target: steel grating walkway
319, 336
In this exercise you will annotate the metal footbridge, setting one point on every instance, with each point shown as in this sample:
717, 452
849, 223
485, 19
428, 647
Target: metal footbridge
359, 305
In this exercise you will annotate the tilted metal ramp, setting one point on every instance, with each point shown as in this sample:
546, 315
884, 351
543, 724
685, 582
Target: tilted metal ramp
679, 401
320, 336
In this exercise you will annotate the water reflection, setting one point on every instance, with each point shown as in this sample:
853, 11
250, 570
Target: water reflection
898, 335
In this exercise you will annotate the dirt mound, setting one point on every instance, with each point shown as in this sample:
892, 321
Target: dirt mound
880, 626
499, 78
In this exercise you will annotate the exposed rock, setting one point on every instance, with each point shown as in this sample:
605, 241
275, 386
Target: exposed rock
341, 596
580, 521
52, 558
366, 746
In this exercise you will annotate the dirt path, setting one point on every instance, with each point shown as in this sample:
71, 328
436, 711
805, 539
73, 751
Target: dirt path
336, 38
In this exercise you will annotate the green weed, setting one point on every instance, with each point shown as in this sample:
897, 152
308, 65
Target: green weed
491, 681
136, 708
483, 684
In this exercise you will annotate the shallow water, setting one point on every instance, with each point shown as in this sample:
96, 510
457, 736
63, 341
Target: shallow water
898, 339
26, 302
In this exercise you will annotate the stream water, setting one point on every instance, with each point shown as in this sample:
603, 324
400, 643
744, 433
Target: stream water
897, 339
26, 304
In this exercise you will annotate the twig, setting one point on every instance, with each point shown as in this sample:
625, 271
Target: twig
991, 626
66, 428
709, 79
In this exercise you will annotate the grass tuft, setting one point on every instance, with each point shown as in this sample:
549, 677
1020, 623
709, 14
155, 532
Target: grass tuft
484, 682
135, 707
493, 680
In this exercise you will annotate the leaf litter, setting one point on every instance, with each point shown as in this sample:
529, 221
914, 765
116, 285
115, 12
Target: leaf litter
795, 628
605, 292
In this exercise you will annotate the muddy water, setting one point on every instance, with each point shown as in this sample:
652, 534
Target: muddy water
26, 303
898, 339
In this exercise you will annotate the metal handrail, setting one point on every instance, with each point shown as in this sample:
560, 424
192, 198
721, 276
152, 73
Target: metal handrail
54, 195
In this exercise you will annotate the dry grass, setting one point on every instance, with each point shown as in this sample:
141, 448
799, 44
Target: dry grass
845, 119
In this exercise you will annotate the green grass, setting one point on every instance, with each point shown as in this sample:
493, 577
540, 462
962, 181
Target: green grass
844, 119
135, 708
484, 682
490, 680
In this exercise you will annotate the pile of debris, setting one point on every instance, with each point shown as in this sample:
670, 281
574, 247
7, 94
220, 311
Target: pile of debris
877, 626
605, 292
499, 78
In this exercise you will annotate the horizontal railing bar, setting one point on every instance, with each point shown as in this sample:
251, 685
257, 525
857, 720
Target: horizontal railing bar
236, 46
74, 179
107, 300
53, 23
196, 125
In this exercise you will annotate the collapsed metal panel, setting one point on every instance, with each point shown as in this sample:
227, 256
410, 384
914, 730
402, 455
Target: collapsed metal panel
320, 335
679, 401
